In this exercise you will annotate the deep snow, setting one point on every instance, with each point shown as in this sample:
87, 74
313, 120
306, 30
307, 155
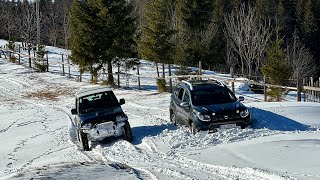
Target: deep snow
38, 139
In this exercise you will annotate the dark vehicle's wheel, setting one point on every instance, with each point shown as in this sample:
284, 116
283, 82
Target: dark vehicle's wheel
173, 118
83, 139
193, 128
127, 132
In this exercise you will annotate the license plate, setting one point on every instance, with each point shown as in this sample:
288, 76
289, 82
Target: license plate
106, 125
228, 126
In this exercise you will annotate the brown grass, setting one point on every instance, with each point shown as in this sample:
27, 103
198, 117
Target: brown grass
52, 93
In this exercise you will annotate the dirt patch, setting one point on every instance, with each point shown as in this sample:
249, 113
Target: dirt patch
52, 93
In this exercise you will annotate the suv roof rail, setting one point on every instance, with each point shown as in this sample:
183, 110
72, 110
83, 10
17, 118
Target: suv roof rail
216, 81
188, 83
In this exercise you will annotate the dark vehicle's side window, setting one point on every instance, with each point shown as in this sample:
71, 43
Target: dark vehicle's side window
180, 94
186, 97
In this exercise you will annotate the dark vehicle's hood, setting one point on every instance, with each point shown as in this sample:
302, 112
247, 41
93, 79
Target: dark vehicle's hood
100, 116
226, 108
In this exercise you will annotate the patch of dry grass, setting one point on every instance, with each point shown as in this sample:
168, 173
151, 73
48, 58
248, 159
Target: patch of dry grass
52, 93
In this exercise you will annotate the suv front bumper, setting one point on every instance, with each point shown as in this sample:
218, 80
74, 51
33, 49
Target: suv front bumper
212, 125
104, 130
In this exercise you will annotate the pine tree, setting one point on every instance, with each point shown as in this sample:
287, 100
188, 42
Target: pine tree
195, 18
277, 68
102, 31
156, 43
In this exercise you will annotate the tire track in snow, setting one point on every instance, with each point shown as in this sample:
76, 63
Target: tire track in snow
145, 107
96, 156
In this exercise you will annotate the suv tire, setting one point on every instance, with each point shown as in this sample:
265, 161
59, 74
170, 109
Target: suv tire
173, 118
83, 139
127, 132
193, 129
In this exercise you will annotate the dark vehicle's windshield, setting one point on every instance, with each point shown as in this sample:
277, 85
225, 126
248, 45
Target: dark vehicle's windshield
209, 96
97, 101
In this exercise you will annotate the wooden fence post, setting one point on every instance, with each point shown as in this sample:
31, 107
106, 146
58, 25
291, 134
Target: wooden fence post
29, 53
312, 92
233, 79
138, 73
69, 66
62, 65
298, 88
304, 91
47, 61
265, 89
19, 53
118, 74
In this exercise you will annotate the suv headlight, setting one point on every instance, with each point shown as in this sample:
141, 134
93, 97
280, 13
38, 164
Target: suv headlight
86, 126
244, 113
202, 117
121, 118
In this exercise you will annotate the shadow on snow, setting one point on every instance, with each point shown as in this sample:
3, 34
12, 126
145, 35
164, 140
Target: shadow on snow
266, 119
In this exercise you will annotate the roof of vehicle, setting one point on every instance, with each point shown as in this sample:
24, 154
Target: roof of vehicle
201, 83
92, 90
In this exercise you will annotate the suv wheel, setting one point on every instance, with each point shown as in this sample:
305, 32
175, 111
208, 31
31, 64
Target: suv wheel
127, 132
193, 129
173, 118
83, 139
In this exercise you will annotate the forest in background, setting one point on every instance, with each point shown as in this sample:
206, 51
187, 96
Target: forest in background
239, 35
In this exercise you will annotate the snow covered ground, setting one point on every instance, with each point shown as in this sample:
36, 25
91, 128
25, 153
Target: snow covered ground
38, 139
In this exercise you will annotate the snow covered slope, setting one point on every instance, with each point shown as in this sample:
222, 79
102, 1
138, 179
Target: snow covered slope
38, 139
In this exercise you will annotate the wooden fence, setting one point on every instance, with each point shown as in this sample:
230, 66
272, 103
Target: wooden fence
29, 58
310, 88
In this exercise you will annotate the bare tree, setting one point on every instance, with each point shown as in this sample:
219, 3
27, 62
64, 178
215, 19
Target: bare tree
9, 17
66, 21
29, 25
207, 35
53, 28
301, 59
248, 36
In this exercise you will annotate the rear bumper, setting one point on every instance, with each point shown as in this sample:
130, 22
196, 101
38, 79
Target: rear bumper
104, 130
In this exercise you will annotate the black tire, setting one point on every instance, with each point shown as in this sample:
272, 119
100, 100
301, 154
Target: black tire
193, 129
127, 132
173, 118
83, 139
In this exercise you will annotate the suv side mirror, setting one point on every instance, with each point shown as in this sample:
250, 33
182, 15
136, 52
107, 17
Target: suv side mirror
241, 98
185, 104
122, 101
74, 111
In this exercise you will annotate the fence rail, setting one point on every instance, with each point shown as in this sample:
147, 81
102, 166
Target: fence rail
309, 88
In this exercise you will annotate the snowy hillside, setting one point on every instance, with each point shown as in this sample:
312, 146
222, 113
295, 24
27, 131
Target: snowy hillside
38, 138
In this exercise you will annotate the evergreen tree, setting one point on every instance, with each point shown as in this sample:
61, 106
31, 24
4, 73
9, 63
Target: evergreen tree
156, 43
277, 68
102, 31
197, 30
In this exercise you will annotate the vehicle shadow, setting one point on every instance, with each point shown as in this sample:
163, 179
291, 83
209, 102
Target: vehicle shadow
266, 119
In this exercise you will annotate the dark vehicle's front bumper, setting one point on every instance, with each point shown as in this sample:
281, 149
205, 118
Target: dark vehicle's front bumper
215, 124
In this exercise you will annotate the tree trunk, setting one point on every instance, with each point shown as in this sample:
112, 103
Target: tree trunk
232, 76
158, 75
298, 88
249, 71
170, 79
110, 75
163, 72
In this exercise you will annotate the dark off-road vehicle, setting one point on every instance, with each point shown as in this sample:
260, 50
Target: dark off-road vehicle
207, 105
98, 114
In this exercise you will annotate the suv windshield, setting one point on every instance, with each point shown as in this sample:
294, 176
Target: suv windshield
97, 101
209, 96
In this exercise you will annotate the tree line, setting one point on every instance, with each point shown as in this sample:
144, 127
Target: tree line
278, 38
18, 21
